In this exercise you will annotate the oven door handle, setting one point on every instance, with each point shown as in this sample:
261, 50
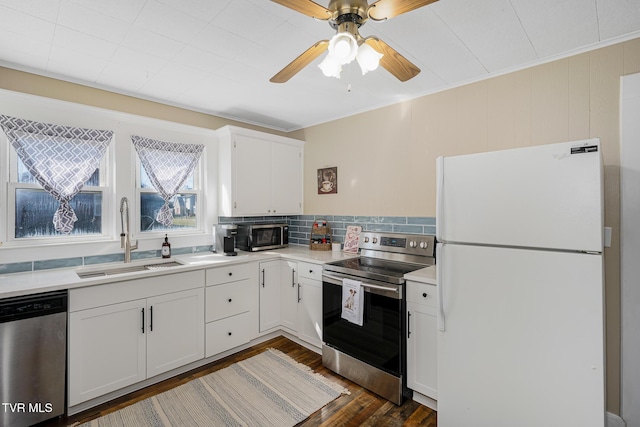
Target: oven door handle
364, 284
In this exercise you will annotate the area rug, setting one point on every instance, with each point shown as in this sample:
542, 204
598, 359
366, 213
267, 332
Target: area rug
269, 389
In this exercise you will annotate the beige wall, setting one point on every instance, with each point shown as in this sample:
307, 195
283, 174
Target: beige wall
569, 99
390, 153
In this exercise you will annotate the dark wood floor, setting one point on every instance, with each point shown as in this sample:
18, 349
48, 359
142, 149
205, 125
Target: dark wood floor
360, 408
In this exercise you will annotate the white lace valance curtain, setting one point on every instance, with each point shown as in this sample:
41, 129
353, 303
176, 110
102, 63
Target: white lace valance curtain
60, 158
168, 165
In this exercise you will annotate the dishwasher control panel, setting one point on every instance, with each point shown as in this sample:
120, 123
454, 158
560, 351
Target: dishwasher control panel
17, 308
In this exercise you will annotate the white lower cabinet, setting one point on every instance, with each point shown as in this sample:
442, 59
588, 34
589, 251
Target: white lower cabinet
176, 328
114, 343
269, 283
230, 307
291, 297
126, 332
227, 333
289, 292
310, 303
422, 350
107, 350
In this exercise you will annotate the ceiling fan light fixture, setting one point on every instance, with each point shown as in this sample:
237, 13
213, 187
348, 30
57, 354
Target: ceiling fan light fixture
368, 58
343, 47
330, 67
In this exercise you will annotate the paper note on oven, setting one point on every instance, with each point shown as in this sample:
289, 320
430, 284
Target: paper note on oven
352, 301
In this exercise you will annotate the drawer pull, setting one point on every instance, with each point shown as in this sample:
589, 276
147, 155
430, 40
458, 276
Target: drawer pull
424, 294
229, 299
229, 333
311, 271
230, 273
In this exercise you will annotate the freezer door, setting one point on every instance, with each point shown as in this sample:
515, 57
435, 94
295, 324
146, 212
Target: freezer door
523, 338
542, 197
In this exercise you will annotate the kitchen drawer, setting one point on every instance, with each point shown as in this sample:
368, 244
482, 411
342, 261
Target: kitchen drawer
230, 273
228, 299
422, 293
225, 334
310, 271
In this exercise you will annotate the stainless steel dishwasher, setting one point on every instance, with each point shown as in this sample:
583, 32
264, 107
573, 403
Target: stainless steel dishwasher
33, 350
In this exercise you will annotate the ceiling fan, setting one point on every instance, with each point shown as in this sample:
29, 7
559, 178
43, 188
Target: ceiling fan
346, 16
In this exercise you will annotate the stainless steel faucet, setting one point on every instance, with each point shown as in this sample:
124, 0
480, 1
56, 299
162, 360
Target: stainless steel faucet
125, 241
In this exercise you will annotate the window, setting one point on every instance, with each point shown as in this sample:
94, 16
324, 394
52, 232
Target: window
31, 208
184, 204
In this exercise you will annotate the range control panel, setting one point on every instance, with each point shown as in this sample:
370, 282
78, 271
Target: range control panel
410, 244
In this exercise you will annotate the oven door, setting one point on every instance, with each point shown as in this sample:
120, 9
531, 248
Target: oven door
379, 341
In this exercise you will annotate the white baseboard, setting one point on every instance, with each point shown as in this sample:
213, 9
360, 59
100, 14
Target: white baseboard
425, 400
614, 420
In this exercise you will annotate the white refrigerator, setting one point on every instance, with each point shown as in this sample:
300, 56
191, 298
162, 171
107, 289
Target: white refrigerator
520, 287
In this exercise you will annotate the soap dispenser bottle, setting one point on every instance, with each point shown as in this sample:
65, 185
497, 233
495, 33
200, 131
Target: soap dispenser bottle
166, 248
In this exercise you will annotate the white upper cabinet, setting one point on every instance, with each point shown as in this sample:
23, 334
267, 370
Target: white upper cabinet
259, 173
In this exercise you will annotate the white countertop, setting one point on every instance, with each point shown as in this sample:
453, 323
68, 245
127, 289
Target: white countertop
425, 275
66, 278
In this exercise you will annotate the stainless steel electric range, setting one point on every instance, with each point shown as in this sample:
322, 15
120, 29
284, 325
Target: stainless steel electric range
374, 354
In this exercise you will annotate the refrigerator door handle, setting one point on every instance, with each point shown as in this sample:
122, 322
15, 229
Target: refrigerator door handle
440, 281
439, 195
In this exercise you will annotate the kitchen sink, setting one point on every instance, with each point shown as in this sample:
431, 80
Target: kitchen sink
121, 269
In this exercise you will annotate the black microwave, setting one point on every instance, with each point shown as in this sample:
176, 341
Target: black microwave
262, 236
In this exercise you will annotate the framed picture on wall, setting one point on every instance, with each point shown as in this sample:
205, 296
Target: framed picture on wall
328, 180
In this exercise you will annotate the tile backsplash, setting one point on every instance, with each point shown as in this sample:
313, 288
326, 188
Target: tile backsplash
299, 234
300, 225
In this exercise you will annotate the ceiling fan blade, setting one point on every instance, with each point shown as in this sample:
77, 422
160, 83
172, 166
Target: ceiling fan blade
392, 61
387, 9
306, 7
300, 62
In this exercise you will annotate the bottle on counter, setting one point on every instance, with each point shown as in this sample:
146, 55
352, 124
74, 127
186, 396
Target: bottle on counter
166, 247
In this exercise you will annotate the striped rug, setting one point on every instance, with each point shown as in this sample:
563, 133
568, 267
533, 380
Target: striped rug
269, 389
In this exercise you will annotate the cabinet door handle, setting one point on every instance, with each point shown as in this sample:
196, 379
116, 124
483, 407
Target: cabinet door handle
263, 277
299, 299
151, 318
230, 273
143, 320
229, 299
293, 277
409, 324
229, 333
424, 294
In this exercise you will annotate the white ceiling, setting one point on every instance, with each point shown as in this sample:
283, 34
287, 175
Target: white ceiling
216, 56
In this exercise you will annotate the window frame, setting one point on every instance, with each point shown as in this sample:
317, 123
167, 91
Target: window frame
198, 175
12, 184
